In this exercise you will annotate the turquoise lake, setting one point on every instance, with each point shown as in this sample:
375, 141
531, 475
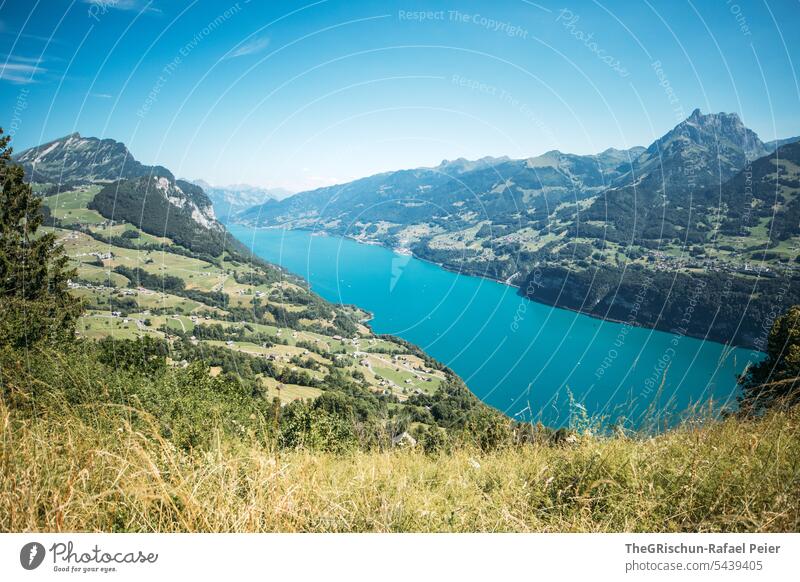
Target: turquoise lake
521, 357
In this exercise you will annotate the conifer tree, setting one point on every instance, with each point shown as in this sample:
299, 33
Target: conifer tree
35, 303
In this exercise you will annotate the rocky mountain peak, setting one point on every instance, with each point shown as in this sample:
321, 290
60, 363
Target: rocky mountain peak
702, 150
77, 159
727, 129
74, 158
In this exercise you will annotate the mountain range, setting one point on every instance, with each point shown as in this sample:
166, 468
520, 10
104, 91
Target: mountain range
708, 201
232, 199
699, 152
666, 209
74, 159
459, 189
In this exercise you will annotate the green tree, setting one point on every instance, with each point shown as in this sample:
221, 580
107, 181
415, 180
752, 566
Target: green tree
34, 301
777, 377
488, 429
146, 354
305, 425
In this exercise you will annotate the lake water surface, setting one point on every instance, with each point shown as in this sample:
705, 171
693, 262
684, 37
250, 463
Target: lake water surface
521, 357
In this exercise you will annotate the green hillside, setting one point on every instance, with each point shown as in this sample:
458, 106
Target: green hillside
230, 311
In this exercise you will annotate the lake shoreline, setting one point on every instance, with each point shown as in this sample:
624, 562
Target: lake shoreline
520, 356
451, 269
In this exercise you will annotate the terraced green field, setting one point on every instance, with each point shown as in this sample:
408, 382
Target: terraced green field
216, 308
70, 207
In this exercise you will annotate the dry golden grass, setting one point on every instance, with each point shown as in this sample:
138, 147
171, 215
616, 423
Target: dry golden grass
61, 473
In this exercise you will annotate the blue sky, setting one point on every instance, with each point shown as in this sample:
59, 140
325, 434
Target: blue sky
309, 93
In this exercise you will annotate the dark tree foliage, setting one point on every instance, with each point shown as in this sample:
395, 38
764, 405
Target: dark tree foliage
776, 379
138, 202
145, 354
34, 301
138, 277
710, 305
262, 277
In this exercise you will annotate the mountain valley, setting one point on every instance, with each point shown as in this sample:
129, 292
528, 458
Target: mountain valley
154, 264
707, 204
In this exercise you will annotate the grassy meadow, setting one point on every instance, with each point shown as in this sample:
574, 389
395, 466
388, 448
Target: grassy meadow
92, 470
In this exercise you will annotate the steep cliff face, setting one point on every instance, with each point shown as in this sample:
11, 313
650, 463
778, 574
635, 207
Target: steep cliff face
162, 206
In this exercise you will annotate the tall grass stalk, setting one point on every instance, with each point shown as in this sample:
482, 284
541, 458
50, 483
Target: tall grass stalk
61, 472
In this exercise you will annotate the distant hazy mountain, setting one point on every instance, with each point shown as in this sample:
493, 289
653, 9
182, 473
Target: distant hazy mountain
462, 165
230, 200
776, 143
454, 192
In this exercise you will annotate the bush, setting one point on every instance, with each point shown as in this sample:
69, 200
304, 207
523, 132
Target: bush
776, 379
314, 428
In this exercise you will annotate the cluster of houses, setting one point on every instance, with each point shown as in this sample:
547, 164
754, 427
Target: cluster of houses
660, 261
98, 254
355, 341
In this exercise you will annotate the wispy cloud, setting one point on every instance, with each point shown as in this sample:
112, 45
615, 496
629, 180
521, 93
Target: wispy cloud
6, 31
21, 70
20, 59
249, 47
